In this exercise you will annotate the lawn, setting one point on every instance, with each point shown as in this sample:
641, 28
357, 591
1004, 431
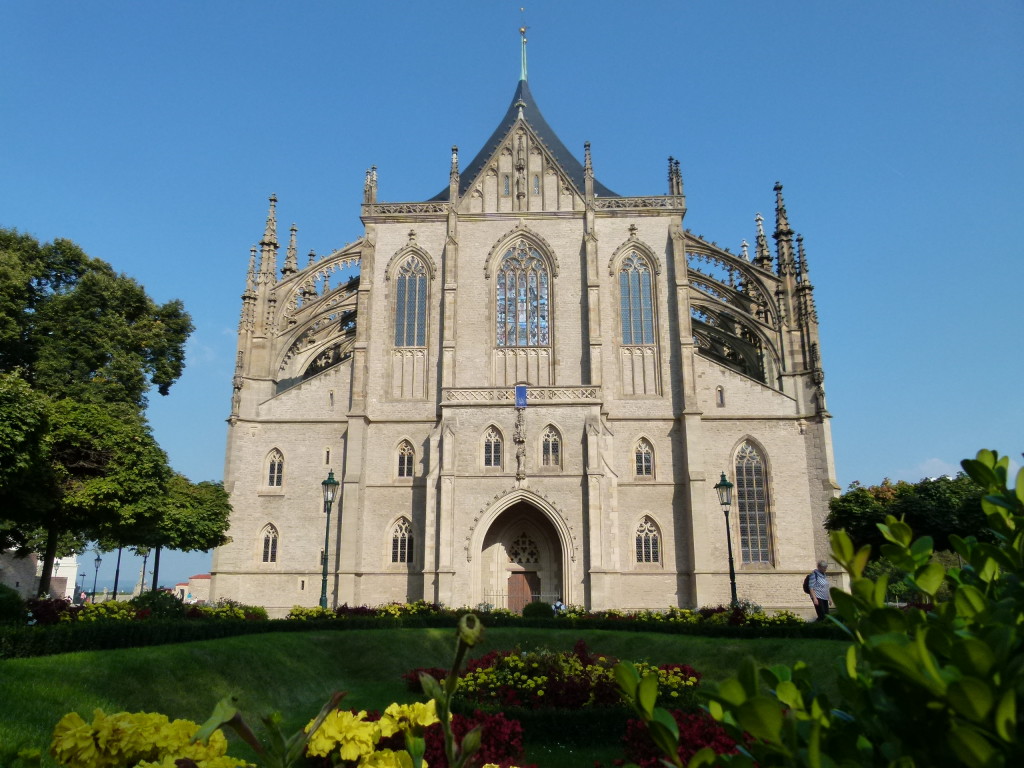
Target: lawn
294, 673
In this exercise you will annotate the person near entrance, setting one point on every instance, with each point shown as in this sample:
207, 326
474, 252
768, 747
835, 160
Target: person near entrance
817, 581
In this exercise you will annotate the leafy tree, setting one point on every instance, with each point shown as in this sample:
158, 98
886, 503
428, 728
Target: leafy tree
940, 508
80, 346
78, 329
188, 517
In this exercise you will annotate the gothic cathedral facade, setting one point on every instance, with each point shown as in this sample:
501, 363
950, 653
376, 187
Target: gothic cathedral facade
528, 388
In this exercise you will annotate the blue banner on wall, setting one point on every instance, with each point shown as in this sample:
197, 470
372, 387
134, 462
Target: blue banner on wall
520, 395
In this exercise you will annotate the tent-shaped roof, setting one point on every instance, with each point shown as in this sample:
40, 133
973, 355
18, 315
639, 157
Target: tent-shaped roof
531, 114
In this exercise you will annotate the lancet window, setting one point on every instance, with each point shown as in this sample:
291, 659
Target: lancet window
492, 448
648, 542
401, 542
269, 544
522, 298
644, 455
275, 469
752, 504
411, 304
636, 302
406, 456
551, 448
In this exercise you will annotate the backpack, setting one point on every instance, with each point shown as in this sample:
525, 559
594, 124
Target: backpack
807, 584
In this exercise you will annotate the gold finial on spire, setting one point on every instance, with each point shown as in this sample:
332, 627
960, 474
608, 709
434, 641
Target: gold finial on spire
522, 34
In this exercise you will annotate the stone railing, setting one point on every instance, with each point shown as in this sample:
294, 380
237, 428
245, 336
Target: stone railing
507, 395
630, 203
384, 209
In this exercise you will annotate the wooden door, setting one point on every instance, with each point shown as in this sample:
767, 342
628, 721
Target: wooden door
522, 586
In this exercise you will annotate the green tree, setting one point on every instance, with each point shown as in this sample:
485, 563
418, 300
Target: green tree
88, 343
79, 329
940, 508
188, 517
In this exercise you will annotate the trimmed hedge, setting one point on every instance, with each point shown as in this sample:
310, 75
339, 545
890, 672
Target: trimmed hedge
21, 642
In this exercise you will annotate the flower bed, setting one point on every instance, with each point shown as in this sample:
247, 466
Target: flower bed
570, 695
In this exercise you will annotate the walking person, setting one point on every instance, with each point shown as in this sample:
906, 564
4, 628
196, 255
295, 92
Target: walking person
818, 585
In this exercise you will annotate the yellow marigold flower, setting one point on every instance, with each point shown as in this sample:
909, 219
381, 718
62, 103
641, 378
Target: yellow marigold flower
385, 758
350, 733
408, 717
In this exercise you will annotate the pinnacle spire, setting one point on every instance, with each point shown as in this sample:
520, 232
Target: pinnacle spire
781, 219
270, 231
291, 264
762, 256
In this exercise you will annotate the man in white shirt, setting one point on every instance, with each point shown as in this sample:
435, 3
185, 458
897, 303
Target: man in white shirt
819, 586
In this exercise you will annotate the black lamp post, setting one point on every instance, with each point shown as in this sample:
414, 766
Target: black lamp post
97, 562
724, 488
330, 487
80, 592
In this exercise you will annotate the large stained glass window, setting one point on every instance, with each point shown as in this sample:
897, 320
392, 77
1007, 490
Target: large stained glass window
636, 304
522, 299
411, 304
752, 505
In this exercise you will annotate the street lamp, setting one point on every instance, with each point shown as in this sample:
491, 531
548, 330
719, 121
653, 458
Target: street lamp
330, 487
724, 488
80, 592
97, 562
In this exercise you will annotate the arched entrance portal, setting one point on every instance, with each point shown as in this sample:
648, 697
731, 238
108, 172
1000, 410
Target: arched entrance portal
521, 560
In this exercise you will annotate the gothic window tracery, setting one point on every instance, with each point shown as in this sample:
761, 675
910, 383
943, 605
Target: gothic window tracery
644, 455
551, 448
492, 448
522, 298
636, 301
269, 536
648, 542
411, 304
275, 469
752, 505
406, 456
402, 542
523, 550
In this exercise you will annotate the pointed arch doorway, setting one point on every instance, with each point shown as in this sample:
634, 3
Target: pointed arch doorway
521, 560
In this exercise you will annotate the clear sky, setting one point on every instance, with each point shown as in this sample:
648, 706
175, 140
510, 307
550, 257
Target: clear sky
153, 133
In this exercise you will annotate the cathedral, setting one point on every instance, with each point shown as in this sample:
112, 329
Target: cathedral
527, 388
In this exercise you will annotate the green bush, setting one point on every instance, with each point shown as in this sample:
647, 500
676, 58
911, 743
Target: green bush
12, 607
158, 605
937, 687
538, 610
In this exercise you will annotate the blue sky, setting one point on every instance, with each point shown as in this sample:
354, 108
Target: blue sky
153, 133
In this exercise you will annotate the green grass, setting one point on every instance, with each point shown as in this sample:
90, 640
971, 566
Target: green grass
295, 673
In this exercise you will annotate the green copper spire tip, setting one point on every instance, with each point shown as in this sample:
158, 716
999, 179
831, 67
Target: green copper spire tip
522, 69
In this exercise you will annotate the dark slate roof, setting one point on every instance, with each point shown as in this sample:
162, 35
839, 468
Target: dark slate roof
540, 126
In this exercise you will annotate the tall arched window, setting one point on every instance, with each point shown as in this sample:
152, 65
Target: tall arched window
522, 298
551, 448
492, 448
644, 455
648, 542
753, 506
401, 542
269, 536
275, 469
636, 302
411, 304
406, 455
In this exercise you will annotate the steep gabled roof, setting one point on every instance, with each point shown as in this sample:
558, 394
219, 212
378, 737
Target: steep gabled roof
531, 114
